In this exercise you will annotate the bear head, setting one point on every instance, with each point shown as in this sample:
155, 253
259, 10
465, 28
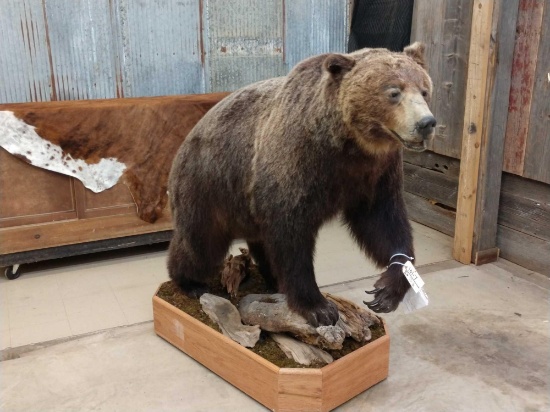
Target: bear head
384, 97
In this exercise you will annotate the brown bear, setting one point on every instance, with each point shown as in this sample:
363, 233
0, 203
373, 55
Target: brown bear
275, 160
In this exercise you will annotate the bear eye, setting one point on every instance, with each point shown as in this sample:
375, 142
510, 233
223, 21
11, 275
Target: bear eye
394, 94
424, 93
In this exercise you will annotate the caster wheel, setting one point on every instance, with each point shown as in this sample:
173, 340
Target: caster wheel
12, 272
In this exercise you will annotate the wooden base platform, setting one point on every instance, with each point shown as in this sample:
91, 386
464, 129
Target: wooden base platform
279, 389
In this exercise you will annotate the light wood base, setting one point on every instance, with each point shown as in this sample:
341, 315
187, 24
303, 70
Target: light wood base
279, 389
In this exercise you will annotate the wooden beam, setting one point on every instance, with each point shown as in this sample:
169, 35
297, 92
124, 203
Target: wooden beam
494, 132
474, 122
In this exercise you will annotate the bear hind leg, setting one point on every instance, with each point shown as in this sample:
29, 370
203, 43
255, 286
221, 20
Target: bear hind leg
193, 260
257, 250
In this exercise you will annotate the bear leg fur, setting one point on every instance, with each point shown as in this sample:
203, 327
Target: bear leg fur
194, 258
257, 250
291, 256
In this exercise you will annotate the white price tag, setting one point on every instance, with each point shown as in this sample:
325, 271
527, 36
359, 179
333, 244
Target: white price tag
415, 298
412, 276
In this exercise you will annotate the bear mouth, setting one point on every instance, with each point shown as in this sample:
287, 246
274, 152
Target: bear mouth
413, 146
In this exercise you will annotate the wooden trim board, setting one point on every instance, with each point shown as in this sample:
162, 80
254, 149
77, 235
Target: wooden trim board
41, 236
279, 389
492, 145
474, 126
86, 248
349, 376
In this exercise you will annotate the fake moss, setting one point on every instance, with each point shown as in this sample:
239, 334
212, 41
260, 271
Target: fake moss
266, 347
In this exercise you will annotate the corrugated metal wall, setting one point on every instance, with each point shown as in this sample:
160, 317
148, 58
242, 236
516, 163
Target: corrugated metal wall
92, 49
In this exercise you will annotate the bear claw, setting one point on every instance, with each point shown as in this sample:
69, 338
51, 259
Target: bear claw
378, 307
376, 304
383, 302
324, 315
388, 291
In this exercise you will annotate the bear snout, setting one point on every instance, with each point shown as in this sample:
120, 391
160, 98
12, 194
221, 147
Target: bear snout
426, 126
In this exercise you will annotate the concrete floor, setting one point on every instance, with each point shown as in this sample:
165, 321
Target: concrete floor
70, 297
483, 343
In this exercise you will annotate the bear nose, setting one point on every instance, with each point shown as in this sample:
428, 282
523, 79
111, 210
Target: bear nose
426, 125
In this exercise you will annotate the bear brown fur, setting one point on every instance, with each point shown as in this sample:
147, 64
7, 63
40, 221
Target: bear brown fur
275, 160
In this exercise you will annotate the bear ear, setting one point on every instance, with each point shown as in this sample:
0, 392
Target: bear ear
416, 52
338, 63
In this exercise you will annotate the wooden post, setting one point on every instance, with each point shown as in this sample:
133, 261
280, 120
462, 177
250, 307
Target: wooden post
475, 116
492, 145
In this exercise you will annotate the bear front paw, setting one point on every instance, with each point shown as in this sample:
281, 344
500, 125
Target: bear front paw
388, 291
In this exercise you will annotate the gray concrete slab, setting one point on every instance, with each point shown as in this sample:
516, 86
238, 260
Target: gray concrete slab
483, 344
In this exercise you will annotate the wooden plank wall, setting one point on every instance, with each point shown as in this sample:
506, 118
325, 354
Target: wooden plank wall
523, 234
537, 151
522, 90
524, 223
128, 48
431, 187
523, 230
444, 26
